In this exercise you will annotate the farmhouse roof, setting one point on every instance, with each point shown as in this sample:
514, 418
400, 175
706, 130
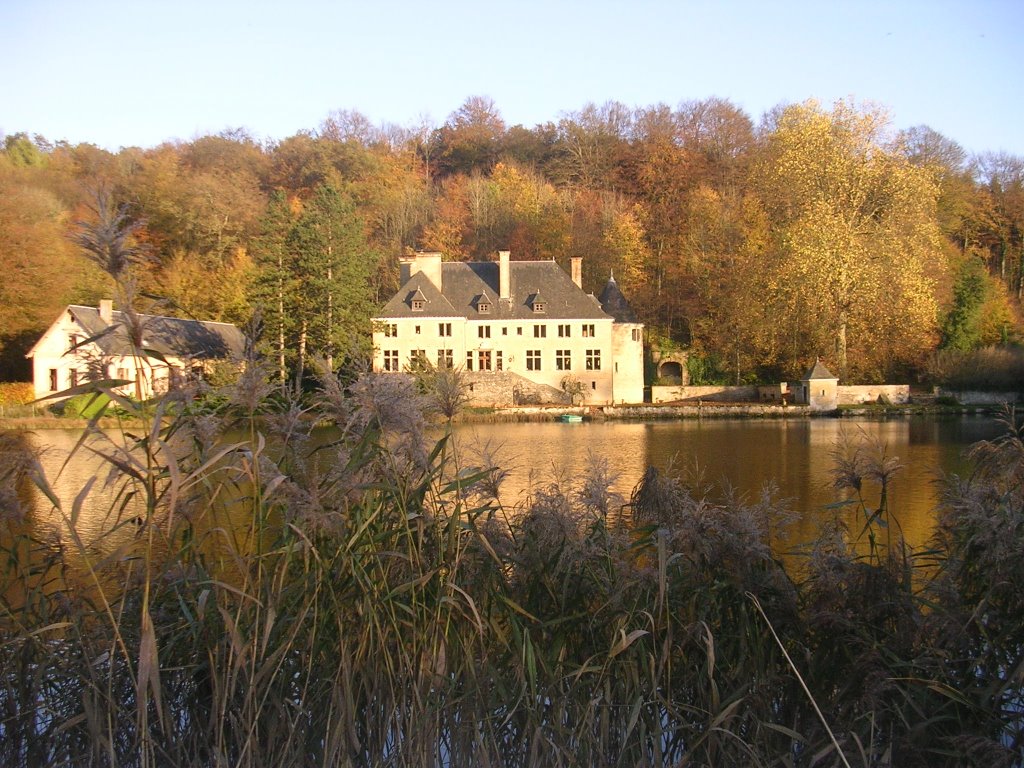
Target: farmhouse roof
196, 339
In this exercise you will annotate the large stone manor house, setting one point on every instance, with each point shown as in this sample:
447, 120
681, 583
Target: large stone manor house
522, 330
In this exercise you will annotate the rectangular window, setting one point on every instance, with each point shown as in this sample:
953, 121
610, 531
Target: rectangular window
498, 366
504, 330
417, 305
53, 379
540, 331
390, 330
593, 359
469, 360
636, 334
122, 373
484, 356
565, 331
484, 331
72, 340
533, 359
519, 330
588, 331
390, 360
74, 377
418, 359
444, 329
445, 359
563, 360
417, 330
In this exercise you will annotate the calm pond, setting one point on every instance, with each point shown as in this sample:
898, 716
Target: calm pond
794, 454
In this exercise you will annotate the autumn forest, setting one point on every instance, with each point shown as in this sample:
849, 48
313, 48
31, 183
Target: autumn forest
757, 246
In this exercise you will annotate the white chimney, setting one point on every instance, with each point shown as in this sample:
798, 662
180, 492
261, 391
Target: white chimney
577, 271
504, 281
427, 263
106, 311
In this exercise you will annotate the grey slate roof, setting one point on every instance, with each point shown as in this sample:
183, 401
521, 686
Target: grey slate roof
818, 371
615, 304
195, 339
465, 284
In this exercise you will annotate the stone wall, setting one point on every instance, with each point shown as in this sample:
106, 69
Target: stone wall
968, 397
504, 388
894, 394
671, 394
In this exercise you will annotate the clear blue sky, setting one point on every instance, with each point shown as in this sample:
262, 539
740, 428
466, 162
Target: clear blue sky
138, 72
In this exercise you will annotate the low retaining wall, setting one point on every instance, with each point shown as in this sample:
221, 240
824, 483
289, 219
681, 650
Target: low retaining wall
671, 394
704, 412
969, 397
503, 388
895, 394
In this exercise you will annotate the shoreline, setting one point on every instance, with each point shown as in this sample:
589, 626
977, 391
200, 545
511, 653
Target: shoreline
646, 412
661, 412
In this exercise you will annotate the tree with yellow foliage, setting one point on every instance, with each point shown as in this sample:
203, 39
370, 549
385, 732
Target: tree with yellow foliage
856, 235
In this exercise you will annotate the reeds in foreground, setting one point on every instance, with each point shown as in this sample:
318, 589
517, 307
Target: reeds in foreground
358, 597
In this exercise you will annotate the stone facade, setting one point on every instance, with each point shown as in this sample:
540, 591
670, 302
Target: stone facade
524, 317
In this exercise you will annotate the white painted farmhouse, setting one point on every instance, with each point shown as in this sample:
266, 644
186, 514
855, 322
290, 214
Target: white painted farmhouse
92, 343
516, 327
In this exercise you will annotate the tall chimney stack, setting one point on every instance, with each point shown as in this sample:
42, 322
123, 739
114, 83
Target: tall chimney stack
504, 281
427, 263
106, 311
577, 271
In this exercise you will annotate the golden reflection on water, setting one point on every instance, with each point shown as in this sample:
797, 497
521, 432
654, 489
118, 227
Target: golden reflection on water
794, 455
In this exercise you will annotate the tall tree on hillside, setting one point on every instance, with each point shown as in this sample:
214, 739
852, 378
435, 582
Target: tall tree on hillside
592, 143
1002, 178
274, 284
331, 263
855, 224
471, 138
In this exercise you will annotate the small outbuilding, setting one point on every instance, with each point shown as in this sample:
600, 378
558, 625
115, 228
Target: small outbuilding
818, 389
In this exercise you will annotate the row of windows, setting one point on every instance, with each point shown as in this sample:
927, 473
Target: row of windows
482, 360
540, 331
563, 360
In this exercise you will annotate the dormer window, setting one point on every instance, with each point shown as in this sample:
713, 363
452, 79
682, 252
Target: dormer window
483, 304
417, 301
538, 306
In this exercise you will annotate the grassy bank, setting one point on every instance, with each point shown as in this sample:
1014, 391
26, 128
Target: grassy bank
382, 606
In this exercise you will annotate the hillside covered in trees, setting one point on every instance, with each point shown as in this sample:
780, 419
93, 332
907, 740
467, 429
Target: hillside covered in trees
818, 232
